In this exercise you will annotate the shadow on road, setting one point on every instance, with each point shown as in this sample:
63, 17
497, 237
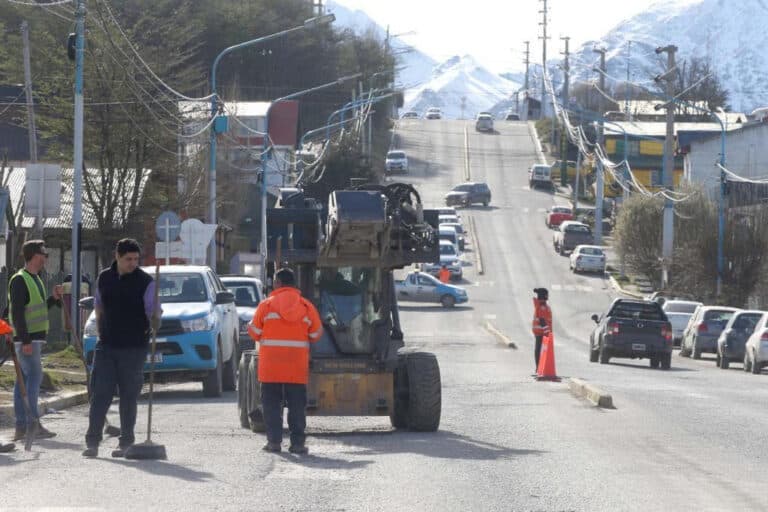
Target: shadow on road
178, 396
441, 444
436, 308
313, 461
162, 468
648, 368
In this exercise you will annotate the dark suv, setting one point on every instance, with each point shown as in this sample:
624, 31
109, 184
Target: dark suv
469, 193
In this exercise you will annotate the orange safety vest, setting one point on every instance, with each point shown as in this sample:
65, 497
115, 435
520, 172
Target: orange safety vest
541, 310
444, 275
5, 328
284, 325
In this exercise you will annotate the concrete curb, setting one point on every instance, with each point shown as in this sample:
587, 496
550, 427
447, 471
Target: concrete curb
500, 337
476, 242
583, 389
58, 403
536, 142
467, 174
619, 289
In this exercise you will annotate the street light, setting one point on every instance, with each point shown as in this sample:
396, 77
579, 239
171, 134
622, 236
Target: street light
265, 158
215, 129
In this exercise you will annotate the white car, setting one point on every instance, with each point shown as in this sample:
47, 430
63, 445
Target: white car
588, 258
680, 306
679, 323
445, 232
756, 349
484, 123
540, 175
450, 257
396, 160
433, 113
448, 210
447, 219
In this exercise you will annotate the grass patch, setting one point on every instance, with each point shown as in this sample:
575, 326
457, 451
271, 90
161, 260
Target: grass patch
67, 358
7, 378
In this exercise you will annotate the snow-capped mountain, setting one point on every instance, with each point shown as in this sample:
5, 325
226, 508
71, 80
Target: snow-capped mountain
461, 81
413, 66
731, 34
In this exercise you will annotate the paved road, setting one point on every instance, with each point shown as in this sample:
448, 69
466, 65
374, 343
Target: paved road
687, 439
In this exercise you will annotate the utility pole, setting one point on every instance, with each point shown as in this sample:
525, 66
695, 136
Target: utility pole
668, 171
543, 38
600, 181
32, 130
527, 62
318, 6
566, 101
77, 194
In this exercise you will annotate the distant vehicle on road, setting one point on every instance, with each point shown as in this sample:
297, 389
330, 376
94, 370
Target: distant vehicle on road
448, 210
704, 329
396, 160
588, 258
679, 322
447, 219
632, 329
540, 175
450, 257
731, 344
512, 117
557, 215
571, 234
484, 123
411, 114
433, 113
449, 233
421, 287
680, 306
468, 194
756, 349
459, 230
248, 293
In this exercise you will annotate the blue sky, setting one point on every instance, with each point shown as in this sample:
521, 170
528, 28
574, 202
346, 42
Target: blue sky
493, 31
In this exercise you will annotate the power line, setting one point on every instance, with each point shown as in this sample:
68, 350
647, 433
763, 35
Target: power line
36, 4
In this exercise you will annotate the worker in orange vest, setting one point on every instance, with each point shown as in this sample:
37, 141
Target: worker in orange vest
5, 331
284, 325
542, 319
444, 275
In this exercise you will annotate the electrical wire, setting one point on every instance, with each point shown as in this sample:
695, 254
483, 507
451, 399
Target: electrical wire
35, 4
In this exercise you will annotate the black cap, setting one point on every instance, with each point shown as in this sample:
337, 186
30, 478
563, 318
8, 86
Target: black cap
285, 276
541, 293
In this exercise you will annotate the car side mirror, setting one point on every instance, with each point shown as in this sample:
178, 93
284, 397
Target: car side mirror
225, 298
596, 319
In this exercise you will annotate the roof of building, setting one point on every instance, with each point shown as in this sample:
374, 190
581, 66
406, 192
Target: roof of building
202, 109
16, 181
659, 129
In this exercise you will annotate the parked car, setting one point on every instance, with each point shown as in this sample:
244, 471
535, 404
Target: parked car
468, 194
679, 322
396, 160
421, 287
448, 232
449, 256
433, 113
248, 292
557, 215
571, 234
588, 258
411, 114
540, 175
588, 217
680, 306
484, 123
448, 210
459, 230
570, 172
446, 219
732, 342
632, 329
512, 117
198, 335
756, 349
704, 329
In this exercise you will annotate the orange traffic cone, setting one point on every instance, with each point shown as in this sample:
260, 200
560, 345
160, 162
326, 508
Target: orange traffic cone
546, 370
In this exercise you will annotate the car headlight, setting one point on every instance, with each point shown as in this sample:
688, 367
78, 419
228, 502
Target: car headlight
203, 323
91, 330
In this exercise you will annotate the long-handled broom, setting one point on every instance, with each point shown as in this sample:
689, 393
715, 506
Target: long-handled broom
31, 423
149, 450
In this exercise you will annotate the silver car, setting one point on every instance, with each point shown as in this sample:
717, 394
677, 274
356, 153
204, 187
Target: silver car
733, 340
248, 292
756, 350
588, 258
679, 322
484, 123
704, 329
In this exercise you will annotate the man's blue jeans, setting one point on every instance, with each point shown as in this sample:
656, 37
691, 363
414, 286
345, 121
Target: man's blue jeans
32, 370
121, 367
295, 396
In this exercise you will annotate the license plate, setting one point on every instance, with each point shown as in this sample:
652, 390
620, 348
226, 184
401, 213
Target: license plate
158, 358
638, 346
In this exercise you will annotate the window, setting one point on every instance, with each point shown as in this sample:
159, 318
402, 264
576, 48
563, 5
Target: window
591, 251
462, 188
182, 288
246, 295
746, 322
425, 280
637, 310
447, 250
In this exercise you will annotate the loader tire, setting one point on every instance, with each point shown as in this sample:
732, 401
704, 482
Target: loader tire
424, 392
255, 414
242, 390
399, 415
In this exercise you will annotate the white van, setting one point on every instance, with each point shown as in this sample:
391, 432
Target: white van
540, 175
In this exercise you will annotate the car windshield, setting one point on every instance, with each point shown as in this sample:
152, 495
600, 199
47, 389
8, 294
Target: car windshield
747, 321
680, 307
395, 154
454, 225
638, 311
591, 251
245, 293
447, 250
559, 209
182, 288
485, 118
718, 315
575, 228
462, 188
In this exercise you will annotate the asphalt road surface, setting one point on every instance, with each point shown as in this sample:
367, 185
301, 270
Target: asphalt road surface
692, 438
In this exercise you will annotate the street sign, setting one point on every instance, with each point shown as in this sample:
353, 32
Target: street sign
168, 227
42, 192
196, 237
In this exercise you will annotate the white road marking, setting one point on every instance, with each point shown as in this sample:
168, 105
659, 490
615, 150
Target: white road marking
556, 287
526, 210
571, 288
542, 210
489, 316
526, 188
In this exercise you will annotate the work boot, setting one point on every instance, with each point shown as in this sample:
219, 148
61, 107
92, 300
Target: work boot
272, 447
119, 452
299, 449
91, 452
7, 447
43, 433
20, 433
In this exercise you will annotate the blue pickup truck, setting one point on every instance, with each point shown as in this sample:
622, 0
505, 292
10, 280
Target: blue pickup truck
198, 335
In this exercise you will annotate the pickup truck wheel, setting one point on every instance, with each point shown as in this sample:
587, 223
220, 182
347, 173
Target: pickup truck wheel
756, 368
654, 362
695, 352
725, 363
746, 362
666, 361
212, 384
594, 355
229, 374
242, 391
447, 301
561, 250
485, 203
604, 356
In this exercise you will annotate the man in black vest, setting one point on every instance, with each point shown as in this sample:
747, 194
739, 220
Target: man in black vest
124, 301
